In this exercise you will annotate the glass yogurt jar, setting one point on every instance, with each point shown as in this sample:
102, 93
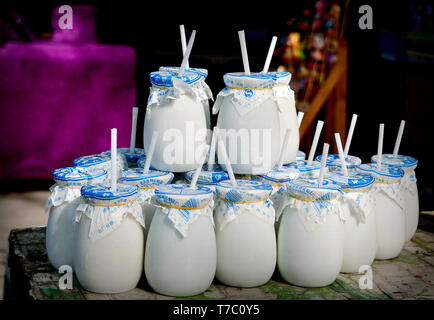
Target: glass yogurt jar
109, 242
311, 234
389, 209
180, 250
147, 184
176, 112
101, 161
254, 112
131, 158
62, 202
246, 240
305, 170
360, 228
408, 189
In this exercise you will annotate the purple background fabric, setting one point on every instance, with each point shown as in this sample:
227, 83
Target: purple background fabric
59, 100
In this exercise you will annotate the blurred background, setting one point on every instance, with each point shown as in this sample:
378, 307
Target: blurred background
62, 90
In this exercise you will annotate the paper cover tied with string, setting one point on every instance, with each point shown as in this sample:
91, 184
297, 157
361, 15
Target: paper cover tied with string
247, 92
170, 85
69, 182
247, 196
107, 209
356, 191
314, 203
183, 204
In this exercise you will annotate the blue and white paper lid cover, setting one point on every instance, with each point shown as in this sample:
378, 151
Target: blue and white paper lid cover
152, 179
78, 176
280, 175
280, 77
334, 161
164, 79
300, 155
102, 194
245, 190
208, 177
182, 196
303, 167
387, 173
241, 80
90, 161
354, 181
399, 160
131, 157
175, 70
309, 190
141, 163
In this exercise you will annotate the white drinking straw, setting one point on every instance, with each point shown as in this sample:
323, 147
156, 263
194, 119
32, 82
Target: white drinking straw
269, 55
350, 134
187, 53
300, 116
150, 152
199, 169
133, 129
183, 40
341, 154
244, 51
211, 159
315, 142
227, 163
114, 149
284, 149
380, 146
325, 152
398, 138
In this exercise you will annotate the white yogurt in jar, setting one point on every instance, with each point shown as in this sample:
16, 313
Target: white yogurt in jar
251, 108
360, 228
246, 241
64, 198
311, 236
109, 242
175, 111
205, 103
147, 183
130, 157
408, 189
305, 170
334, 163
389, 209
181, 247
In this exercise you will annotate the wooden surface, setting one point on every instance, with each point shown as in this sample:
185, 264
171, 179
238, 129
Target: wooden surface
409, 276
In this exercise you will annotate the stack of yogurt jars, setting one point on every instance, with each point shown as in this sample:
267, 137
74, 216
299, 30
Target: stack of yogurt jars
64, 198
408, 189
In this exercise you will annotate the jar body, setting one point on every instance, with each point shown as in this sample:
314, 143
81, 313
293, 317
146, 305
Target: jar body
253, 140
246, 251
411, 211
112, 264
360, 239
288, 120
390, 219
60, 234
181, 127
309, 259
180, 266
